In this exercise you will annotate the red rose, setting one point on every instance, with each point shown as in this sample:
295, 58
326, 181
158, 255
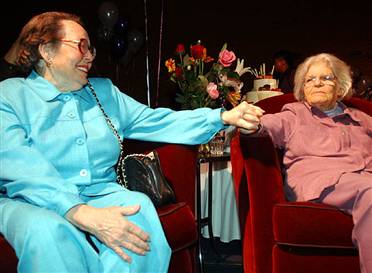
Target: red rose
180, 49
197, 51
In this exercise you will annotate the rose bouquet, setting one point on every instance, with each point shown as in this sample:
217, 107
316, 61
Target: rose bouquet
203, 82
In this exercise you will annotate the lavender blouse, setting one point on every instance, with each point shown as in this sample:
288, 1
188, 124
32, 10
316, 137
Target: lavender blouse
318, 149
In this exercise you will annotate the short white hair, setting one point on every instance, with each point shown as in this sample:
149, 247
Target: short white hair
339, 68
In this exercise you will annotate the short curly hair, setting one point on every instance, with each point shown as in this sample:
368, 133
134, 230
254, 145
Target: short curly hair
340, 69
41, 29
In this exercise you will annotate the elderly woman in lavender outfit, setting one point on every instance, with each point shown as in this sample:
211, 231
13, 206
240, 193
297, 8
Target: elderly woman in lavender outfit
327, 146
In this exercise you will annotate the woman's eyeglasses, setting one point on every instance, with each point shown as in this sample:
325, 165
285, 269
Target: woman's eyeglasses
325, 79
83, 46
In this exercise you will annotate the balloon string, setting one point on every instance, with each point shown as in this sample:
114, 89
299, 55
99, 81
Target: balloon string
117, 72
159, 53
147, 57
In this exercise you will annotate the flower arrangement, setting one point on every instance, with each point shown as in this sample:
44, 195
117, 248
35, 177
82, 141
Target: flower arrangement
203, 82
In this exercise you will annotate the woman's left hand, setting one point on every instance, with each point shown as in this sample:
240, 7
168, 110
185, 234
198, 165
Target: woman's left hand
111, 226
245, 115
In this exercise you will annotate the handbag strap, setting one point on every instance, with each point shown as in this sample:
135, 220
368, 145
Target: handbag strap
119, 167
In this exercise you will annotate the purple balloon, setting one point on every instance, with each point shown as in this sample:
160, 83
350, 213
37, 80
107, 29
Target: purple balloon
135, 40
118, 46
108, 14
104, 34
121, 27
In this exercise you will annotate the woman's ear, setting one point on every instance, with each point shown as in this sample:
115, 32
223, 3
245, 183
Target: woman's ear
340, 93
46, 52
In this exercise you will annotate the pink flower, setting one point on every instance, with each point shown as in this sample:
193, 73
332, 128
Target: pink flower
226, 58
212, 90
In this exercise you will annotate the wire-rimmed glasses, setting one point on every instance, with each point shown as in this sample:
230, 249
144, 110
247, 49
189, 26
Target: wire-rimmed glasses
324, 79
83, 46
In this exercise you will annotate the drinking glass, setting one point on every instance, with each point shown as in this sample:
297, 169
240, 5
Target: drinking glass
217, 145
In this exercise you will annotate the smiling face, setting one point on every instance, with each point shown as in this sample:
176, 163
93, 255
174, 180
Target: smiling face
321, 89
68, 69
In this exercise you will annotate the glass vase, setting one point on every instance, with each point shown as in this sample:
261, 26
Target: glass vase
204, 149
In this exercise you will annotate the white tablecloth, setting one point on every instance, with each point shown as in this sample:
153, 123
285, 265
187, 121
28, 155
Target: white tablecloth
225, 221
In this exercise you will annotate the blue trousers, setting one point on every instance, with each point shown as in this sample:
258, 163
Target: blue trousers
46, 242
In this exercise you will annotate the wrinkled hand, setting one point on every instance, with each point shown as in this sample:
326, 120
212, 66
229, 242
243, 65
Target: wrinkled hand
245, 116
112, 228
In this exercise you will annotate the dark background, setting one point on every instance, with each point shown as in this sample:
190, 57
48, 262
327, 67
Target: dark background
254, 30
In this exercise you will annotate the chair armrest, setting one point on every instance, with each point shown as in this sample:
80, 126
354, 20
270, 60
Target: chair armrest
258, 185
178, 163
8, 258
361, 104
262, 168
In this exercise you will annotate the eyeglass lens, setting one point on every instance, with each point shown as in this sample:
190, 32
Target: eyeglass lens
325, 79
84, 47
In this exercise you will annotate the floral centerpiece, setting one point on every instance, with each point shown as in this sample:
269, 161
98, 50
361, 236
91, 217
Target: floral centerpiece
203, 82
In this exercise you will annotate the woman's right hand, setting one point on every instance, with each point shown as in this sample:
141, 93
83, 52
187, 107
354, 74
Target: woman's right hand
112, 228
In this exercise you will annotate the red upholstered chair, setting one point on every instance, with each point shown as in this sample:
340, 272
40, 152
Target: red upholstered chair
179, 167
281, 236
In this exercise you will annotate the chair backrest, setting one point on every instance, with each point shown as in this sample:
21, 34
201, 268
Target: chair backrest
258, 187
178, 163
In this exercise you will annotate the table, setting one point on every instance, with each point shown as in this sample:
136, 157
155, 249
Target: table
218, 218
225, 220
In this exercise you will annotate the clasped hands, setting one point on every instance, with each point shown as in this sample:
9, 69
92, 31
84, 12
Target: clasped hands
245, 116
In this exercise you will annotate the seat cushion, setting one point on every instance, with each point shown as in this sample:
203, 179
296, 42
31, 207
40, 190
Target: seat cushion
325, 260
179, 225
311, 224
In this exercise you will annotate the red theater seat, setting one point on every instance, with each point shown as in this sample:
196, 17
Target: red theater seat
179, 166
281, 236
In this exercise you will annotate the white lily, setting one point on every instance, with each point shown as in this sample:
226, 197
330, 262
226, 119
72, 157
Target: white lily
240, 69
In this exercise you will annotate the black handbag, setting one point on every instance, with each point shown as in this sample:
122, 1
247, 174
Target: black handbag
139, 172
143, 173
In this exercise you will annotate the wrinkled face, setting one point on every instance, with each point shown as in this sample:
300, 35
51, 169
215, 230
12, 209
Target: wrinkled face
321, 89
69, 66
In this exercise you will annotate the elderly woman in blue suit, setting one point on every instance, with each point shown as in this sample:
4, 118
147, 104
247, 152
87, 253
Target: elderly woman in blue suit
57, 158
